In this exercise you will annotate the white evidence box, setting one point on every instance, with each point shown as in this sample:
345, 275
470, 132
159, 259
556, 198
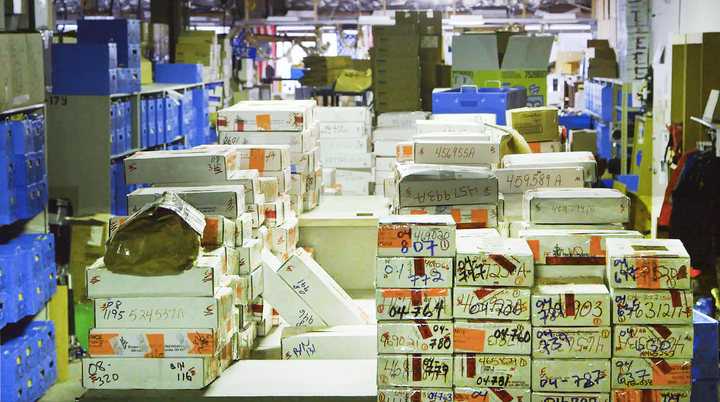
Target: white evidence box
227, 201
648, 264
302, 162
572, 247
284, 237
350, 342
519, 180
256, 211
348, 114
149, 343
572, 342
420, 370
400, 119
503, 371
431, 337
331, 145
493, 262
485, 118
416, 236
283, 177
449, 126
576, 206
571, 375
260, 157
582, 159
571, 305
492, 233
249, 256
465, 216
542, 147
413, 304
302, 141
409, 394
663, 307
228, 255
219, 231
250, 179
491, 394
414, 272
453, 151
495, 303
493, 337
348, 160
653, 341
650, 373
180, 166
277, 212
327, 130
132, 373
386, 148
424, 185
267, 116
573, 396
655, 395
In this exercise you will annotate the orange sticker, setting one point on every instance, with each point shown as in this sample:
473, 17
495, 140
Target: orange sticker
99, 344
535, 247
471, 396
263, 122
211, 232
646, 273
404, 151
257, 159
203, 344
534, 147
418, 212
596, 246
665, 374
479, 215
469, 340
456, 215
393, 236
406, 293
156, 342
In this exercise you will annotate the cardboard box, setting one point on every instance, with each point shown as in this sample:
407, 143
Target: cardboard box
219, 231
648, 264
253, 285
585, 160
341, 342
227, 201
491, 394
570, 305
283, 177
267, 116
512, 371
310, 281
583, 140
394, 133
256, 211
132, 373
302, 141
492, 337
386, 164
250, 258
493, 262
386, 148
164, 312
557, 375
284, 237
262, 158
228, 255
298, 184
571, 247
417, 272
571, 343
346, 145
653, 341
405, 394
421, 185
293, 308
560, 396
302, 162
400, 119
450, 126
662, 307
543, 226
186, 166
639, 373
277, 212
87, 243
534, 124
144, 343
485, 118
546, 146
344, 176
465, 216
456, 152
495, 303
350, 160
263, 234
519, 180
597, 205
413, 304
198, 281
416, 236
246, 178
420, 370
328, 130
433, 337
654, 395
478, 234
269, 188
404, 151
356, 114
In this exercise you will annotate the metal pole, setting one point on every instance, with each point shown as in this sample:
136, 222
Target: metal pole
626, 89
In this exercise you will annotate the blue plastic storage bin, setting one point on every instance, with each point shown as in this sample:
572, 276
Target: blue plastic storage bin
166, 73
84, 69
705, 348
471, 99
575, 121
124, 33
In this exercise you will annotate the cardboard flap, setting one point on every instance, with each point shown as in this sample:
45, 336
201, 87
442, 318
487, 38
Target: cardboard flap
475, 52
528, 53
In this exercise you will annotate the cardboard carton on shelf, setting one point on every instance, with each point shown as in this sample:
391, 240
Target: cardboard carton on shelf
572, 247
414, 272
570, 304
676, 341
416, 236
648, 264
267, 116
411, 370
432, 337
660, 373
585, 205
339, 342
492, 337
493, 262
413, 304
511, 371
131, 373
636, 306
498, 303
559, 375
572, 342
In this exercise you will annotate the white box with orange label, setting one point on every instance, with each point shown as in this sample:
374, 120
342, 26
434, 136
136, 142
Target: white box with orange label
497, 303
416, 236
408, 394
648, 264
430, 337
571, 342
414, 272
284, 237
570, 305
572, 247
148, 343
454, 151
465, 216
132, 373
491, 394
492, 337
413, 304
571, 375
658, 341
504, 371
419, 370
227, 201
641, 306
519, 180
493, 262
184, 166
650, 373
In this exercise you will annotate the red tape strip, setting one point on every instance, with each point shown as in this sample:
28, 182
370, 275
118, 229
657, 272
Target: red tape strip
682, 272
569, 305
676, 297
416, 297
504, 262
482, 292
502, 394
575, 260
416, 395
416, 368
419, 266
661, 364
472, 225
662, 330
471, 366
424, 329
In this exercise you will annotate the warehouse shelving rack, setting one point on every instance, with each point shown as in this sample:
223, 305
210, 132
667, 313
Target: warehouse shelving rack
79, 144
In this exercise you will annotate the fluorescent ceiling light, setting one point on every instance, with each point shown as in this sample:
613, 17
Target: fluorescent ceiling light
375, 20
282, 19
570, 27
533, 27
295, 28
466, 21
560, 16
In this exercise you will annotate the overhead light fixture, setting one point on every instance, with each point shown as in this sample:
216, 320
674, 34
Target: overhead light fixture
464, 21
295, 28
283, 18
375, 20
570, 27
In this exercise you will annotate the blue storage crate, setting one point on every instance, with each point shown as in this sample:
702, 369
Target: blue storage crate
50, 276
152, 123
135, 80
471, 99
50, 366
704, 390
705, 348
167, 73
128, 125
144, 124
575, 121
3, 306
84, 69
15, 309
604, 145
20, 266
22, 136
12, 362
124, 33
7, 145
160, 120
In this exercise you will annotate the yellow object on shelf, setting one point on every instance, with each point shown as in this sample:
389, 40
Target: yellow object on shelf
146, 72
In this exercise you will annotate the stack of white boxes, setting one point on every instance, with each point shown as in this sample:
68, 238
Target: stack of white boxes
392, 129
280, 123
491, 311
414, 279
175, 331
652, 312
345, 138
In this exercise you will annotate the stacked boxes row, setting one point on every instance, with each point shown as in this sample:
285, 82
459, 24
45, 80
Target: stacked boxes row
200, 47
280, 123
164, 118
23, 173
345, 139
121, 134
396, 68
105, 61
21, 70
28, 276
28, 361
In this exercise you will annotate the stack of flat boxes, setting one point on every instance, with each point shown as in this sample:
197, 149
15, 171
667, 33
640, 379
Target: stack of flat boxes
28, 361
396, 68
161, 118
201, 105
652, 312
539, 127
200, 47
126, 35
345, 134
280, 123
392, 129
414, 279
